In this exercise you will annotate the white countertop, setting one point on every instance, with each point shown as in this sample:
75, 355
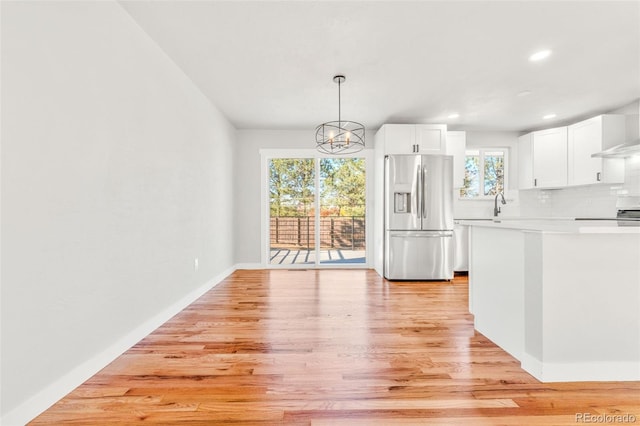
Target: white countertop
562, 225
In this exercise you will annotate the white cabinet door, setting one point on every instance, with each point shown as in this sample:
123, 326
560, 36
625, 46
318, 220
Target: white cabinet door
460, 247
399, 138
414, 139
525, 161
431, 138
588, 137
550, 158
456, 144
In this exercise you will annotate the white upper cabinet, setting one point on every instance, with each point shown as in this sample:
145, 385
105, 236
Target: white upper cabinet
550, 158
456, 145
431, 138
589, 137
525, 161
398, 138
414, 138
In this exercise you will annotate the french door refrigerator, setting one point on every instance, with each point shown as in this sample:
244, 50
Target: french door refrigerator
418, 219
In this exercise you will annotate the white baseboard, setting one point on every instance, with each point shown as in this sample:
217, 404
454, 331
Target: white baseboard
44, 399
581, 371
531, 365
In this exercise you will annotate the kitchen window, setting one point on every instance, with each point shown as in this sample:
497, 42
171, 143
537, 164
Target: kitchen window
484, 173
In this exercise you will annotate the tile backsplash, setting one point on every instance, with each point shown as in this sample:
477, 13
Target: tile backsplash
632, 176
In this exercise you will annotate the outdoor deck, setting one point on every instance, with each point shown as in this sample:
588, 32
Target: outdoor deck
292, 239
291, 256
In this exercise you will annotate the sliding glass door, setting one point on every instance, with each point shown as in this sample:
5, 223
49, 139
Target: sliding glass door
342, 210
317, 211
292, 190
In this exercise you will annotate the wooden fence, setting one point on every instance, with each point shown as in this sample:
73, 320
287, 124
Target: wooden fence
343, 232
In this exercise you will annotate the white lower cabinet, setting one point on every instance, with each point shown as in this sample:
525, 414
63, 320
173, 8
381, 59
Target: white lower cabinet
460, 248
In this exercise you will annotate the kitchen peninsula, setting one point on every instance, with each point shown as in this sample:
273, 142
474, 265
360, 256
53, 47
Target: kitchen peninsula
561, 296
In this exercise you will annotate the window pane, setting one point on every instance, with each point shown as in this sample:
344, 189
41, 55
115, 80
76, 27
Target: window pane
342, 210
291, 205
471, 186
493, 172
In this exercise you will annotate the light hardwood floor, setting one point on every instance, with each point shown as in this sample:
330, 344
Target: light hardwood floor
324, 348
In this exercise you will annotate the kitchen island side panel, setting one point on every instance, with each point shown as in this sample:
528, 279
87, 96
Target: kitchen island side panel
591, 310
498, 285
533, 295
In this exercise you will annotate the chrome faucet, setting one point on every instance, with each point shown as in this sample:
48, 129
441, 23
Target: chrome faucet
496, 209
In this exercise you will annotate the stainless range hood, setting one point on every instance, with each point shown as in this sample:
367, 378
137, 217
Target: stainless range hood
624, 150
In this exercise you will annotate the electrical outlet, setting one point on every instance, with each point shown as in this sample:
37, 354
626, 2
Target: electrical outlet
195, 264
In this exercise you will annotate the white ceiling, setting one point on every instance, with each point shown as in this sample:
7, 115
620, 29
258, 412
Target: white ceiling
269, 65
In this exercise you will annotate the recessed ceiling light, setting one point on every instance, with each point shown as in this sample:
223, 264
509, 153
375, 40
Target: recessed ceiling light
524, 93
548, 116
538, 56
454, 115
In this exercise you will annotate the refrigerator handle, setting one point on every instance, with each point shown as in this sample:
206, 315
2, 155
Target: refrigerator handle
418, 193
424, 192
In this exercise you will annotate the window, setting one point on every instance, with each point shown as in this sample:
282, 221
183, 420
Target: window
484, 172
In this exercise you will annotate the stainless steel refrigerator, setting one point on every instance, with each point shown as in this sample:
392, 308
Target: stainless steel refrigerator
418, 219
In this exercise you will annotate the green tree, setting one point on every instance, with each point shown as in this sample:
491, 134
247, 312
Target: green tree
292, 182
291, 186
471, 176
493, 174
343, 186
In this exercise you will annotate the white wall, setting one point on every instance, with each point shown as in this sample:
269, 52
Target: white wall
248, 183
116, 174
248, 189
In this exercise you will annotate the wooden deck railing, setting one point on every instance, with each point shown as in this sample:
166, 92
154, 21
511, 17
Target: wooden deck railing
345, 232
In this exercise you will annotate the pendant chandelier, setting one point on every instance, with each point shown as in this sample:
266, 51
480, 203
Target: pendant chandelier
340, 137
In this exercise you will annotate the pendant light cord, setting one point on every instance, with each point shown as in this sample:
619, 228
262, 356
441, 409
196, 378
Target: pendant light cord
339, 116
